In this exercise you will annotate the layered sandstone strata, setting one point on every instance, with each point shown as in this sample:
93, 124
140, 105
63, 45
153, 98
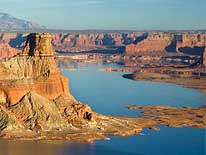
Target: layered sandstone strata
192, 40
93, 41
154, 43
66, 42
33, 93
33, 70
190, 43
35, 102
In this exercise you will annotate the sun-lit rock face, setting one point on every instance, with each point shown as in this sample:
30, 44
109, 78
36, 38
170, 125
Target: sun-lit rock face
38, 45
156, 42
3, 97
191, 43
204, 57
33, 70
7, 51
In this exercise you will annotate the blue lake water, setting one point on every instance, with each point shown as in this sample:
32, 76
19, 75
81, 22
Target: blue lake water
108, 93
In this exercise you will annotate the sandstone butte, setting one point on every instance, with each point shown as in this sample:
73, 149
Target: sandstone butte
35, 102
161, 42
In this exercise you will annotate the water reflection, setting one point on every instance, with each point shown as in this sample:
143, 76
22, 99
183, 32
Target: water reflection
168, 141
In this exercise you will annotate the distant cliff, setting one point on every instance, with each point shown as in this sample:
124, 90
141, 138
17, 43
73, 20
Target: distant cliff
131, 42
66, 42
188, 43
93, 41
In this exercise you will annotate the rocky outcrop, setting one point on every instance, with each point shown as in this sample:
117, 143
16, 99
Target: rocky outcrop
94, 41
204, 57
7, 51
192, 40
188, 43
154, 43
66, 42
33, 93
135, 42
33, 70
35, 103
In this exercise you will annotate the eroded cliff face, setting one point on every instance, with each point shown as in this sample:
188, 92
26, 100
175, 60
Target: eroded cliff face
7, 51
33, 70
7, 40
94, 41
164, 42
66, 42
34, 95
35, 103
192, 40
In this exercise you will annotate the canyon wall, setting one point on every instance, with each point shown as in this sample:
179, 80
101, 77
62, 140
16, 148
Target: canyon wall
188, 43
67, 42
134, 42
153, 43
89, 42
7, 51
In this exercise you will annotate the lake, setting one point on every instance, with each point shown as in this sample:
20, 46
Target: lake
108, 93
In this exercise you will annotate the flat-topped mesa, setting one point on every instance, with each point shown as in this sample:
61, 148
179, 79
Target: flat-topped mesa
160, 42
38, 44
155, 42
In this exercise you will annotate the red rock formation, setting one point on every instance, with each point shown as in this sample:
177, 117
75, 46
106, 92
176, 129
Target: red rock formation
6, 51
191, 40
159, 42
67, 42
204, 57
33, 70
154, 43
76, 42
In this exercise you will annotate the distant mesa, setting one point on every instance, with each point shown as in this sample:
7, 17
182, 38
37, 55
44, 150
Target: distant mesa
132, 43
11, 23
186, 43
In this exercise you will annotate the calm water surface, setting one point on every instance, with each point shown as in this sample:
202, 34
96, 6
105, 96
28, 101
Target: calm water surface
108, 93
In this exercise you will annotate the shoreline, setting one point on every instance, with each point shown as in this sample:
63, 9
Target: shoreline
158, 75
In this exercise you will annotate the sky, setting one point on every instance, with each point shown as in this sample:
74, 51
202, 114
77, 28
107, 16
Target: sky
110, 14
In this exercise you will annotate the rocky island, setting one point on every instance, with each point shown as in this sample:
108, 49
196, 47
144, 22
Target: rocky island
35, 102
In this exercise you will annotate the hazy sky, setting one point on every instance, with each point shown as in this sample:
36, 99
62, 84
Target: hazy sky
110, 14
